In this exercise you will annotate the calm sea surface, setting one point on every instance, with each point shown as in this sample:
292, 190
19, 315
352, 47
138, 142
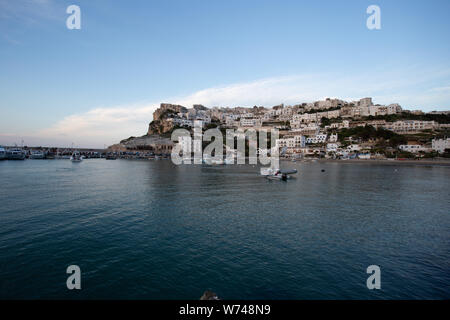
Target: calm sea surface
153, 230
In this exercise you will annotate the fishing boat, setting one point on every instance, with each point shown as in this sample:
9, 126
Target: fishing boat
76, 157
110, 156
15, 154
2, 153
50, 155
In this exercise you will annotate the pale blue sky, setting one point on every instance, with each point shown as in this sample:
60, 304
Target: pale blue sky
62, 86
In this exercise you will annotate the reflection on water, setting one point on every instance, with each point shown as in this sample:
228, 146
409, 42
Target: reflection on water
152, 230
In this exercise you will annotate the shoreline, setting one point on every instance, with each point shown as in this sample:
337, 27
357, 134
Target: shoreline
439, 162
427, 162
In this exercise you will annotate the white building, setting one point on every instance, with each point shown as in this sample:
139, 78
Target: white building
378, 110
413, 148
394, 108
345, 124
318, 138
353, 147
181, 122
304, 118
231, 119
332, 147
365, 102
333, 137
409, 126
247, 115
250, 122
440, 145
297, 141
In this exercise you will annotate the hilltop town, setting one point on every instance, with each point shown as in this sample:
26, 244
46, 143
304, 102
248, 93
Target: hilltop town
331, 128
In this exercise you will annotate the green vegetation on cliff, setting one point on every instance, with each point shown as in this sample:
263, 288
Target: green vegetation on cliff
369, 132
439, 118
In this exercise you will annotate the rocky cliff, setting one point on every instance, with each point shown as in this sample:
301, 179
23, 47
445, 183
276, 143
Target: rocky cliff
166, 109
160, 125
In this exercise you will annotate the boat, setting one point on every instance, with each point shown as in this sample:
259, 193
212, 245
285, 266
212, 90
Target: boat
50, 155
37, 154
58, 156
15, 154
275, 173
2, 153
76, 157
111, 156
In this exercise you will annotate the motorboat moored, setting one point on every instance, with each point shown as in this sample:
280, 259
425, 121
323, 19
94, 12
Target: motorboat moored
37, 154
76, 157
2, 153
111, 156
15, 154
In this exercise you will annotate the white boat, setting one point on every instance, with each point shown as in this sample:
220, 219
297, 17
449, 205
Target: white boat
15, 154
76, 157
37, 154
275, 173
268, 171
2, 153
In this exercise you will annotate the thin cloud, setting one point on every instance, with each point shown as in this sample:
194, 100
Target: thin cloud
29, 10
109, 125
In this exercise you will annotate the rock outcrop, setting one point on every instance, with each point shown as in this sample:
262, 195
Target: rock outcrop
154, 143
160, 125
167, 109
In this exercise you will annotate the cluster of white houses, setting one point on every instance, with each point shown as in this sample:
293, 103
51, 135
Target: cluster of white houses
301, 126
323, 143
305, 118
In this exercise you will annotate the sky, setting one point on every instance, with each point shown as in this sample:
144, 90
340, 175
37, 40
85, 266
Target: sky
100, 84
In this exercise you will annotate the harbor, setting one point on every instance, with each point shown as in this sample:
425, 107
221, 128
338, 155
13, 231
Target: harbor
21, 153
253, 153
154, 225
